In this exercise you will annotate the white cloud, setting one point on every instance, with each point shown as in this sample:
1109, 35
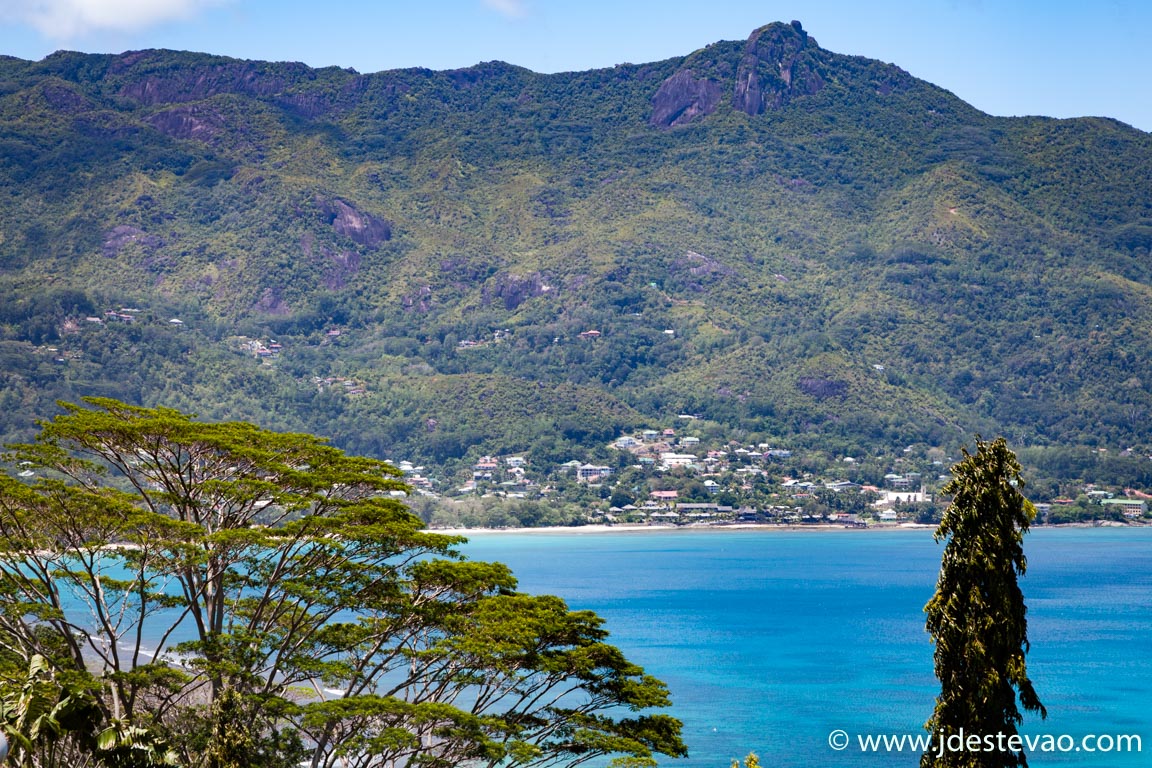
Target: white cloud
513, 9
64, 19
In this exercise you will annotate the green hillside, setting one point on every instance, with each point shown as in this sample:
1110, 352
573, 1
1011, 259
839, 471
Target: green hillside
801, 247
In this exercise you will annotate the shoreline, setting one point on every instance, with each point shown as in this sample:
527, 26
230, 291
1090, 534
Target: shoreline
663, 528
598, 529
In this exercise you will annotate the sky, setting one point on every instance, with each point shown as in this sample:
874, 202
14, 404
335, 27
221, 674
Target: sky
1060, 58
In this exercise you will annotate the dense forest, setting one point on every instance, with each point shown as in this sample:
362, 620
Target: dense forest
801, 248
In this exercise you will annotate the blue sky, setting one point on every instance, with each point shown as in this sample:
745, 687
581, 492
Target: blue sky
1063, 58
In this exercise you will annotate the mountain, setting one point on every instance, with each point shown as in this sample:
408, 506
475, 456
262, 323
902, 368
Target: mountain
800, 247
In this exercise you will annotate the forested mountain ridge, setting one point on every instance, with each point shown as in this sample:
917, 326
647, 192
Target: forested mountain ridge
799, 246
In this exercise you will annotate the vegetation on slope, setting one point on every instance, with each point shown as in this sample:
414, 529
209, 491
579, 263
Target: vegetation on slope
848, 256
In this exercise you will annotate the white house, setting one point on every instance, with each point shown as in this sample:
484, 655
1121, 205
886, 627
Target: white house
677, 459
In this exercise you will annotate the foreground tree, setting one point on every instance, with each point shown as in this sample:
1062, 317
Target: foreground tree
49, 723
262, 599
977, 616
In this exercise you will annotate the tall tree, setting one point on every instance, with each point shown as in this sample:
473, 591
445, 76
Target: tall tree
221, 578
977, 616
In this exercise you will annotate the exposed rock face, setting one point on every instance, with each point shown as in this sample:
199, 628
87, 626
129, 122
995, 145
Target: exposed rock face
309, 105
419, 300
463, 272
341, 265
699, 265
780, 63
682, 97
478, 73
695, 272
65, 100
271, 302
191, 121
361, 227
198, 83
118, 238
513, 290
822, 388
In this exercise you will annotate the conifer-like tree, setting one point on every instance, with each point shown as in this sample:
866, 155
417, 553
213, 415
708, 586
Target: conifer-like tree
977, 616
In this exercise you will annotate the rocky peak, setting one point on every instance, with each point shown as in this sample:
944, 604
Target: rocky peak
780, 62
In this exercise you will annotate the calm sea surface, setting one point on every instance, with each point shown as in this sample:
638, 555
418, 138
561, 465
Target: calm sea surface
770, 640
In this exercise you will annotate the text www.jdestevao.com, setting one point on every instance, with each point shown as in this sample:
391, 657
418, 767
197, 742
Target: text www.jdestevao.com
941, 744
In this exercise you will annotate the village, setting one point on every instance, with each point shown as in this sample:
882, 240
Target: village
663, 477
684, 473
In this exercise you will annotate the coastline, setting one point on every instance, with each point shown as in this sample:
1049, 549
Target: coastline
661, 528
597, 529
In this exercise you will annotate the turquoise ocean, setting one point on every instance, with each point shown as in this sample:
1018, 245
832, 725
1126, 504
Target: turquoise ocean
771, 639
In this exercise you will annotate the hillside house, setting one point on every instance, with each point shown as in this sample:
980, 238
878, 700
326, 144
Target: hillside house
897, 481
669, 460
486, 464
591, 473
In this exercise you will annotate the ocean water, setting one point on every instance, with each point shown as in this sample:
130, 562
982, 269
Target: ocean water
770, 640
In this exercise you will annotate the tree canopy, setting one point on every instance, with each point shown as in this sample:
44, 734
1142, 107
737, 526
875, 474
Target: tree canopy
977, 616
260, 598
